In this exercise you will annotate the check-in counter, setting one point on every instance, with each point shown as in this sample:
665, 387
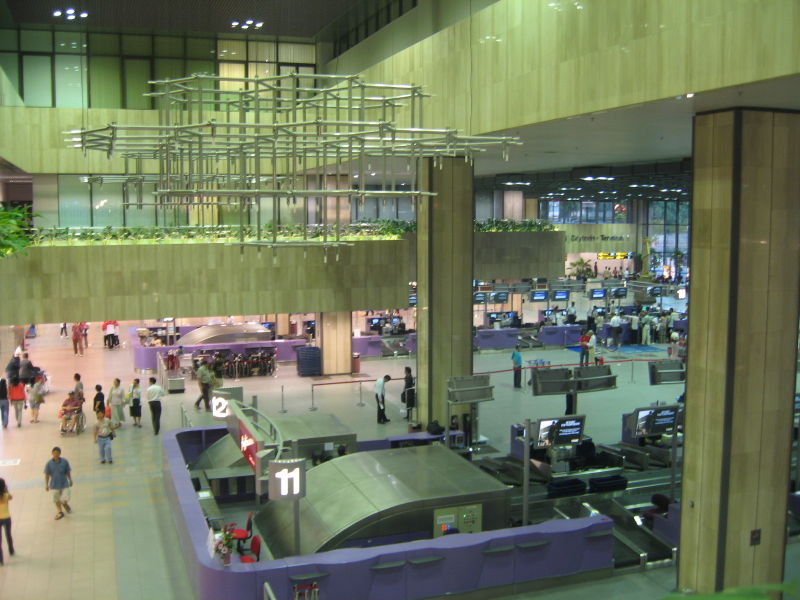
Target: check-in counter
146, 358
488, 339
560, 335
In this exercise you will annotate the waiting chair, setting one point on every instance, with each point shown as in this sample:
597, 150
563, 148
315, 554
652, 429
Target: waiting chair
255, 550
242, 535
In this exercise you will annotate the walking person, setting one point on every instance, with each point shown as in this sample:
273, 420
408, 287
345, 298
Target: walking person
78, 387
99, 403
204, 378
17, 396
135, 398
380, 398
58, 478
36, 398
103, 434
516, 361
77, 339
63, 331
4, 403
154, 394
409, 393
116, 398
25, 369
5, 519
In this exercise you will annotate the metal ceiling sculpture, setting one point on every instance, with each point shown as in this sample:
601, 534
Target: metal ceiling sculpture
234, 142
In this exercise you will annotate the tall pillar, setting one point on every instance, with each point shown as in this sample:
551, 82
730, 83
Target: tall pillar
335, 335
745, 257
444, 280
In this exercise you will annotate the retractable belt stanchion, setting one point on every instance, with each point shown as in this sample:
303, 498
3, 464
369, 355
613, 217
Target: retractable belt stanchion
283, 408
526, 472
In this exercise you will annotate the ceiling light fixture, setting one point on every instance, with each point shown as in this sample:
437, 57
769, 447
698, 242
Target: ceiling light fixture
247, 24
70, 14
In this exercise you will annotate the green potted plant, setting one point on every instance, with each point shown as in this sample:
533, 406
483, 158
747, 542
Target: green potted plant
15, 230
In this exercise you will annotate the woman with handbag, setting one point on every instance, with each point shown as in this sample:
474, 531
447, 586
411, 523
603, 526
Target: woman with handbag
36, 398
103, 434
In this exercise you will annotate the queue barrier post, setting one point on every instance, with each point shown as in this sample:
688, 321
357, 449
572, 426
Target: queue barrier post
283, 408
360, 395
312, 407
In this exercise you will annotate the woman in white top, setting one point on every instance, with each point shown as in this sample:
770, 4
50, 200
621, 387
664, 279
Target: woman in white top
116, 398
135, 398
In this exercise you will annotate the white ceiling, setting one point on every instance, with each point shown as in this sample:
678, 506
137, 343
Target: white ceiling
655, 131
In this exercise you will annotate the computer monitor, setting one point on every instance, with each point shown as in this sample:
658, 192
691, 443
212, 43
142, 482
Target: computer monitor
598, 294
511, 315
619, 293
375, 321
559, 431
493, 317
561, 295
396, 320
539, 296
498, 297
654, 291
479, 298
600, 312
654, 420
548, 312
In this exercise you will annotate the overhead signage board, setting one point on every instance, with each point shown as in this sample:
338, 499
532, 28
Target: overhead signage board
614, 255
287, 479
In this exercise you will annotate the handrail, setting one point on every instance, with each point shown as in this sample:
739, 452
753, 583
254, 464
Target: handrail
272, 431
268, 593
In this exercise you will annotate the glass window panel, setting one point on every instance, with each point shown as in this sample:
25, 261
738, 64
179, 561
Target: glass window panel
683, 238
671, 214
137, 45
573, 211
201, 47
8, 39
70, 42
260, 69
36, 41
168, 46
261, 51
232, 50
683, 213
37, 81
405, 209
105, 89
622, 211
588, 212
307, 81
70, 81
9, 64
167, 68
73, 202
144, 216
387, 209
104, 43
656, 212
107, 205
137, 74
296, 53
670, 238
201, 66
231, 69
656, 235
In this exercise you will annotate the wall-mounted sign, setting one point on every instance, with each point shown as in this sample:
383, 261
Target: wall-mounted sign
248, 445
614, 255
219, 407
287, 479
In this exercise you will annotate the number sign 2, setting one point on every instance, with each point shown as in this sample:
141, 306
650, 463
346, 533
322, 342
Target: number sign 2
287, 479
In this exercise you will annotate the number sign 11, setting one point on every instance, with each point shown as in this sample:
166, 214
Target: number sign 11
287, 479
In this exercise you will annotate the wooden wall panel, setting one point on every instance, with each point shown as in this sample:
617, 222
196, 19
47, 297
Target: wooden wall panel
335, 333
91, 283
515, 255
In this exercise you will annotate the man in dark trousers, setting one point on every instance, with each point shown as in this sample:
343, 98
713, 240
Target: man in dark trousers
154, 394
516, 361
380, 398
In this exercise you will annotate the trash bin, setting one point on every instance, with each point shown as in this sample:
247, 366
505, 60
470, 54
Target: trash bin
355, 366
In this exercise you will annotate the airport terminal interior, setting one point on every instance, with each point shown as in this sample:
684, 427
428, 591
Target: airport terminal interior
434, 298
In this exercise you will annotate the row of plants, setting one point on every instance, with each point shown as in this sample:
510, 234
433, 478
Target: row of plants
372, 230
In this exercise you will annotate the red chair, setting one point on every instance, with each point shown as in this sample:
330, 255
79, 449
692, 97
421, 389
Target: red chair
255, 550
242, 535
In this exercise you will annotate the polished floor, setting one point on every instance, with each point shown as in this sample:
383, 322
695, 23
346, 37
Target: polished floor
120, 541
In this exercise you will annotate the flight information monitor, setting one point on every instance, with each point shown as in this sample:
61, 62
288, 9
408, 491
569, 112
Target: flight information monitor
654, 291
655, 420
561, 295
498, 297
540, 296
598, 294
479, 298
412, 300
619, 293
560, 431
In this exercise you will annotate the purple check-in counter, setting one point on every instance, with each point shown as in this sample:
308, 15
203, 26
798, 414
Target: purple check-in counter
147, 357
367, 345
560, 335
681, 325
487, 339
625, 336
452, 564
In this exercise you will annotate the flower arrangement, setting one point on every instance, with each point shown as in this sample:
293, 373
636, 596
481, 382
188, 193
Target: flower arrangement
224, 544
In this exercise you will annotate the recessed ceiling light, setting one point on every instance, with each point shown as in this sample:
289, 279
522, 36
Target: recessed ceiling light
56, 13
249, 22
690, 95
245, 26
84, 14
70, 17
234, 23
70, 11
259, 25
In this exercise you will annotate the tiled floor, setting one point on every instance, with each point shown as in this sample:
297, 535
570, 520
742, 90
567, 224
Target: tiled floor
120, 542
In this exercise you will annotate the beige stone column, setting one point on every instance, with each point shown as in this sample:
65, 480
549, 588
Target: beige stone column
745, 260
444, 278
334, 332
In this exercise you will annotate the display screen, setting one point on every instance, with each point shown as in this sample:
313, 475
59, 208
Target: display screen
600, 312
561, 431
655, 291
619, 293
548, 312
539, 296
498, 297
395, 320
375, 321
511, 315
598, 294
412, 300
655, 420
479, 298
561, 295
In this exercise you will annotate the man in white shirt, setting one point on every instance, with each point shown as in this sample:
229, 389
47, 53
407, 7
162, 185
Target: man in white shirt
647, 321
634, 320
616, 329
591, 345
380, 399
154, 394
